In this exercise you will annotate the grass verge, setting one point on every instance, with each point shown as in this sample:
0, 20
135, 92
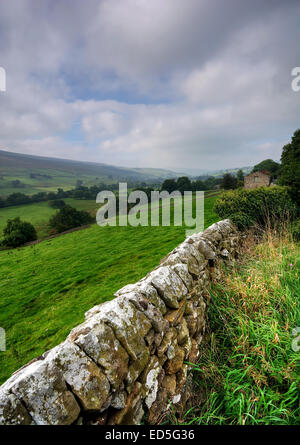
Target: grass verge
248, 371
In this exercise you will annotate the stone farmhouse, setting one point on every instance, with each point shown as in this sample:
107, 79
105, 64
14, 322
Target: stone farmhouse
257, 179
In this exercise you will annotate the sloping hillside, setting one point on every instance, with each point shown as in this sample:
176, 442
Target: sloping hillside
37, 173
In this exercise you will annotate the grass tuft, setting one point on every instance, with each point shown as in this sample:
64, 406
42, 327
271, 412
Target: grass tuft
248, 372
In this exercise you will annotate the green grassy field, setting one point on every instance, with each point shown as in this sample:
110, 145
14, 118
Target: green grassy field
59, 179
39, 213
248, 371
46, 288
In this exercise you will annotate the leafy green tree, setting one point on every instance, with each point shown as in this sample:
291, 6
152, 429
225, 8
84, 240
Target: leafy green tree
198, 185
184, 184
240, 175
17, 184
290, 166
57, 203
68, 218
229, 182
18, 232
169, 185
17, 199
268, 165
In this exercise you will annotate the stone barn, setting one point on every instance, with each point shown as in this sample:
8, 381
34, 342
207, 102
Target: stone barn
257, 179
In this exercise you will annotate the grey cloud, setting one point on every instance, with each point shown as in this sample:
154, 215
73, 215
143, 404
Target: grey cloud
208, 81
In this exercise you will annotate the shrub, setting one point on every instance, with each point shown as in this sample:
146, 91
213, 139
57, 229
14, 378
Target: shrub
229, 182
57, 203
290, 166
68, 218
18, 232
295, 230
258, 206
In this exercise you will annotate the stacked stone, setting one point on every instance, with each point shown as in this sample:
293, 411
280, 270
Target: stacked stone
129, 359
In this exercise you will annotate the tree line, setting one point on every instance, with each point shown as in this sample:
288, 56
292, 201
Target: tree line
81, 192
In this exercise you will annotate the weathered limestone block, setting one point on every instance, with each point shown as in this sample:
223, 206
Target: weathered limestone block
226, 227
119, 400
169, 285
224, 253
136, 367
197, 291
158, 408
162, 359
150, 337
171, 351
100, 343
191, 321
132, 413
12, 412
130, 326
213, 233
158, 338
149, 381
189, 308
149, 310
207, 249
187, 254
42, 389
174, 317
194, 354
166, 342
186, 346
83, 376
181, 377
147, 290
169, 385
182, 271
173, 365
182, 332
183, 266
190, 249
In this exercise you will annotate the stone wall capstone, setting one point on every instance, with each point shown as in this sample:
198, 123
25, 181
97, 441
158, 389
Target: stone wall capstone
129, 359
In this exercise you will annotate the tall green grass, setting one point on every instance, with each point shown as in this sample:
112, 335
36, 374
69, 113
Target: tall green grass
248, 372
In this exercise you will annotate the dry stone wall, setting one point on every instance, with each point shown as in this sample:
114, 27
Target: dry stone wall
129, 359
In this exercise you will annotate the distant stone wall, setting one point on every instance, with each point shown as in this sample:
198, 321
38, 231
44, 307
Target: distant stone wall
127, 361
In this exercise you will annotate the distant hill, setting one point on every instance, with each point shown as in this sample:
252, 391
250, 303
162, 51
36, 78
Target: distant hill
233, 171
195, 172
30, 174
31, 162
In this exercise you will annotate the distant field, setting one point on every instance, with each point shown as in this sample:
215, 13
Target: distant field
39, 213
59, 179
46, 288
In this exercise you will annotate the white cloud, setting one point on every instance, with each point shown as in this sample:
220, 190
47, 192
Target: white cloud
131, 82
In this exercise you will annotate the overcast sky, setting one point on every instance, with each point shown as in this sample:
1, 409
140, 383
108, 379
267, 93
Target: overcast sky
150, 83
